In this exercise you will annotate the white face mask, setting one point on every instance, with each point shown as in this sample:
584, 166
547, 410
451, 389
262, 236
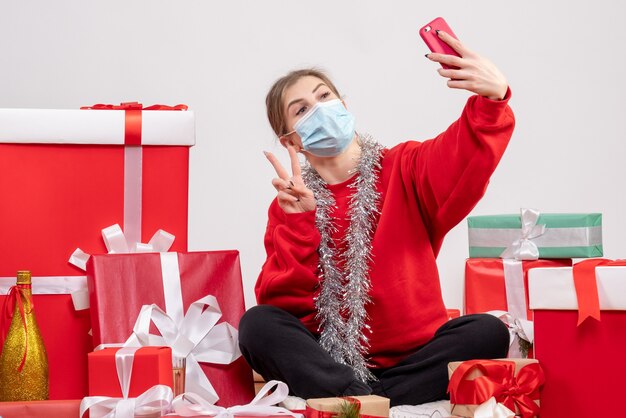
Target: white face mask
326, 129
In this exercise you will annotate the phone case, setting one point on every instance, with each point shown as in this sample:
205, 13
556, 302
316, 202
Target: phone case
435, 44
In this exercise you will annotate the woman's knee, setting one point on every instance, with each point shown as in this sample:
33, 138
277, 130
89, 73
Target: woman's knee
493, 332
484, 335
255, 324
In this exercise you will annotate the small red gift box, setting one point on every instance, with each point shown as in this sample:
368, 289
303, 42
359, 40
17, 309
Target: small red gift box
512, 382
151, 366
486, 279
40, 409
369, 406
64, 175
582, 362
120, 284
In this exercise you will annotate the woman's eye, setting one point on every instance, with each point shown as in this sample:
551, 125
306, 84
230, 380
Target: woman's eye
325, 95
301, 111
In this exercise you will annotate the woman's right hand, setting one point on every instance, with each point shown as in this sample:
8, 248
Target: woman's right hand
293, 195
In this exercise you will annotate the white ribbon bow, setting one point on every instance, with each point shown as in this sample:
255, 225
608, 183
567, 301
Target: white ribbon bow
157, 399
523, 248
117, 243
518, 328
492, 409
195, 337
190, 404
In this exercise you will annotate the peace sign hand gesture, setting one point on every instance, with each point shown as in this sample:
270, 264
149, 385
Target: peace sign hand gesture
293, 196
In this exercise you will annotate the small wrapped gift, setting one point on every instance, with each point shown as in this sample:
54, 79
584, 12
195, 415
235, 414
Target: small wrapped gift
515, 383
533, 235
368, 406
56, 409
154, 401
580, 318
150, 366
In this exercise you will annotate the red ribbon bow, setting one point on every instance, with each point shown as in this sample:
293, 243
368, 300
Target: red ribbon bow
132, 132
15, 295
587, 286
498, 380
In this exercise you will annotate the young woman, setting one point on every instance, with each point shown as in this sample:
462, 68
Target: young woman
349, 296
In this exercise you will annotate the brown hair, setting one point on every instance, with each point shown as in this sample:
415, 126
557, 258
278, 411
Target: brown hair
274, 99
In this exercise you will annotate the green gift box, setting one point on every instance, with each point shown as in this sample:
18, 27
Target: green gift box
533, 235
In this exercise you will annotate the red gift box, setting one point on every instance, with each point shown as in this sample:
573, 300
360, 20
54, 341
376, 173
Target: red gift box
151, 366
513, 382
120, 284
582, 363
62, 179
485, 288
40, 409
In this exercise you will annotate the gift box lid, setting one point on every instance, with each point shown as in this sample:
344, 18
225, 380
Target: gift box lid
554, 289
566, 235
519, 364
104, 127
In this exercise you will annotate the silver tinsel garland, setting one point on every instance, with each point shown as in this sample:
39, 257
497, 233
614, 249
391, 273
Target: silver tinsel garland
343, 295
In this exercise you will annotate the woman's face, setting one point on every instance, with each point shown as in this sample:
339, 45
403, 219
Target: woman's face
298, 99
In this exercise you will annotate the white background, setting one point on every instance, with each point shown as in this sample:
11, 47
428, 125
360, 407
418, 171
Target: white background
564, 60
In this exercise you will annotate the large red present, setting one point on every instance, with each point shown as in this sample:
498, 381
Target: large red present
121, 284
66, 174
493, 284
583, 361
500, 287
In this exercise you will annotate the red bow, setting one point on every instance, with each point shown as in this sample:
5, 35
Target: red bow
14, 297
587, 287
132, 132
498, 380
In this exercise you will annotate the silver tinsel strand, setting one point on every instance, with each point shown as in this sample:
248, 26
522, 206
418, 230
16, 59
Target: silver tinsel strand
343, 296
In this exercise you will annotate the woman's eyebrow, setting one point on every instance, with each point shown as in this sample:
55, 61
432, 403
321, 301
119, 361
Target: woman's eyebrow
318, 86
299, 100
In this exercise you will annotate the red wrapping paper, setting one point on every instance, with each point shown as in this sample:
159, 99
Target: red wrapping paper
151, 366
485, 287
120, 284
56, 197
370, 406
40, 409
583, 364
59, 197
513, 382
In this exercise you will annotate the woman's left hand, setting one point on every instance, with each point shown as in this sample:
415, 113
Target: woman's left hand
474, 73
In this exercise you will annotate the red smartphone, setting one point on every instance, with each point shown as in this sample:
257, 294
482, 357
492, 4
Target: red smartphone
429, 34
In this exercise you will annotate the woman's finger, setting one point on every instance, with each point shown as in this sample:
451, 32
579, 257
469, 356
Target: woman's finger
449, 60
280, 171
453, 43
280, 184
295, 162
286, 197
453, 74
461, 84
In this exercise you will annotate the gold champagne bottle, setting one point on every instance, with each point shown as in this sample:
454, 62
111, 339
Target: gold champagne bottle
23, 362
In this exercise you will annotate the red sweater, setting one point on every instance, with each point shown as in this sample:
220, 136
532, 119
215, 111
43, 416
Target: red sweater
426, 189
